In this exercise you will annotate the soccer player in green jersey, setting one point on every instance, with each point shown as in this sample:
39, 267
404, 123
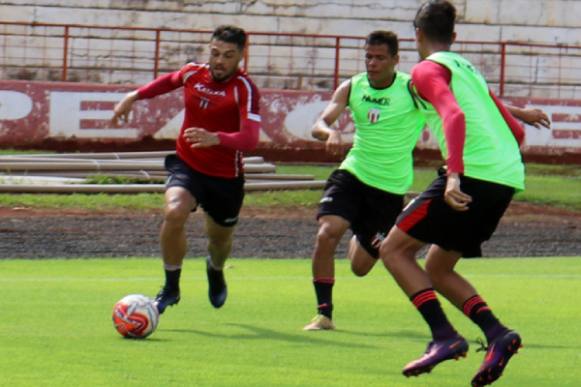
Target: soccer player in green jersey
479, 140
367, 192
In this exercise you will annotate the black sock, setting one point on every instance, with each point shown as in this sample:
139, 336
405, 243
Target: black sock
428, 305
172, 279
324, 291
479, 312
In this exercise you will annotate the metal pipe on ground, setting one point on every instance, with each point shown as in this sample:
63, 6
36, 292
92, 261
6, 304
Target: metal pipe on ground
157, 175
146, 188
105, 156
109, 165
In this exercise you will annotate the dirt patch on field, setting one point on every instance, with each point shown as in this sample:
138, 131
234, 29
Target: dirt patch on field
526, 230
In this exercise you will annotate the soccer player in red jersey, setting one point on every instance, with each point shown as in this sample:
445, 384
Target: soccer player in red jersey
221, 121
480, 141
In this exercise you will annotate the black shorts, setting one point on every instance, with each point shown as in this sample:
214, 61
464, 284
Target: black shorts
370, 211
430, 219
220, 198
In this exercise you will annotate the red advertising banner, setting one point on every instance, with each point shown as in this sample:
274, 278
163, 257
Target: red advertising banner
34, 113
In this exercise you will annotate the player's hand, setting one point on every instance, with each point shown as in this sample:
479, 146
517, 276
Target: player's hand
122, 109
320, 134
536, 118
334, 143
454, 196
201, 138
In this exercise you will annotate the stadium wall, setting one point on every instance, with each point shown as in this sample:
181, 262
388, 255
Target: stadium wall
549, 21
75, 116
125, 56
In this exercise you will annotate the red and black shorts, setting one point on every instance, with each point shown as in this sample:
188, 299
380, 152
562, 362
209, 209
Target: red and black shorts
220, 198
370, 211
430, 219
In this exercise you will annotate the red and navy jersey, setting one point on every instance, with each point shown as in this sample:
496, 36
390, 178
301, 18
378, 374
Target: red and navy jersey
216, 107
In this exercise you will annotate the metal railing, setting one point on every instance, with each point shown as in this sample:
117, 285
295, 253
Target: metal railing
91, 53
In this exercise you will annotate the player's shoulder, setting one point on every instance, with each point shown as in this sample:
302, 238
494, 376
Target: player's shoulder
193, 68
243, 79
403, 76
357, 78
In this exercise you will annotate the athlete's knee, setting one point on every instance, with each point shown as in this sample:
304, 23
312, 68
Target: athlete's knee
392, 255
221, 241
329, 233
437, 273
360, 270
219, 236
386, 253
176, 212
361, 261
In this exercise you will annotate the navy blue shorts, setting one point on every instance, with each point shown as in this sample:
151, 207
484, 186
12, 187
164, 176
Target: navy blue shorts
430, 219
220, 198
370, 211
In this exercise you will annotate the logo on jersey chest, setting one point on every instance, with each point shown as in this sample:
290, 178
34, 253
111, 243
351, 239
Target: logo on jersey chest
200, 87
204, 102
382, 101
373, 115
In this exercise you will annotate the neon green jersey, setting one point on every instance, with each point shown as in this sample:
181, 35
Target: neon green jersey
491, 152
387, 127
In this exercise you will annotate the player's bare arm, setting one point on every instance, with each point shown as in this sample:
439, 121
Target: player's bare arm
322, 129
534, 117
123, 108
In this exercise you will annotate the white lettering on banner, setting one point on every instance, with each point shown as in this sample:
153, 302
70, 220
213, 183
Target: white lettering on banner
300, 120
14, 105
565, 127
66, 115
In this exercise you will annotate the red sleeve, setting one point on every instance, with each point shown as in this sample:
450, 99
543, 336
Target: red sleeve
160, 85
432, 82
244, 140
516, 129
248, 104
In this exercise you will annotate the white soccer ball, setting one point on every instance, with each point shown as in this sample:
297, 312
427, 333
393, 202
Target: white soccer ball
135, 316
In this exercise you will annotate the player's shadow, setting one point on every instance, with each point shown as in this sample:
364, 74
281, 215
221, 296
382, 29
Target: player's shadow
398, 334
260, 333
528, 345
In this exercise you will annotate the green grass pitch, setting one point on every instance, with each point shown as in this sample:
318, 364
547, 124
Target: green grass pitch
56, 329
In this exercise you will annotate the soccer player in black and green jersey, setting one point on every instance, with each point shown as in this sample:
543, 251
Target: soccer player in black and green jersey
480, 141
366, 193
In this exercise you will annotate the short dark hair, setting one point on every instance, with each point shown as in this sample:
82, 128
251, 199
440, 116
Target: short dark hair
436, 19
230, 34
383, 37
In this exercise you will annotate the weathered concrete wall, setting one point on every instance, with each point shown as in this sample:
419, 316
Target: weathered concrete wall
551, 21
276, 65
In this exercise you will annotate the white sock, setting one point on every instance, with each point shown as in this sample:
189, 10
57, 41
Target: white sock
169, 267
212, 264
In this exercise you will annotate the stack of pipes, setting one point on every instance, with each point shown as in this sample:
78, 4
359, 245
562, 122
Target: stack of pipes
68, 173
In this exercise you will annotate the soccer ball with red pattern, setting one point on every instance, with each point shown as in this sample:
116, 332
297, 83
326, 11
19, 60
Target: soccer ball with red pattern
135, 316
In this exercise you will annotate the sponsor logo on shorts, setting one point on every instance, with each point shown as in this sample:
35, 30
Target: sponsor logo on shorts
326, 199
230, 220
